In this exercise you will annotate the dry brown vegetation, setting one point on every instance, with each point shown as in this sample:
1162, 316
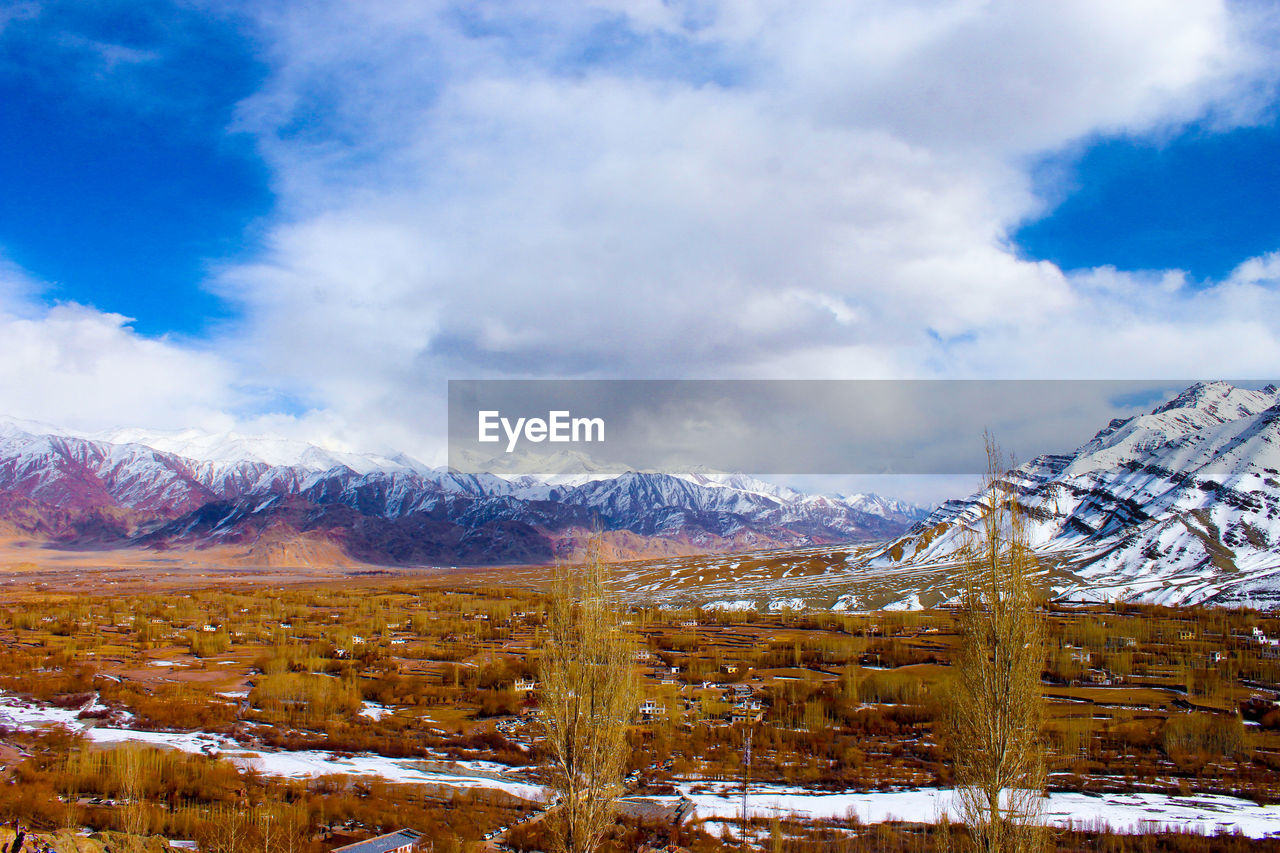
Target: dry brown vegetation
1136, 702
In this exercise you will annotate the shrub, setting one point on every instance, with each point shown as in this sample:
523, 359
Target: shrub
304, 699
1213, 734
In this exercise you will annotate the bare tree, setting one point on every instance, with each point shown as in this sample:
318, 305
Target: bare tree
588, 695
226, 829
997, 708
281, 827
134, 765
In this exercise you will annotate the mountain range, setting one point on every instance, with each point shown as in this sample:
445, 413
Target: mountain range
279, 502
1177, 505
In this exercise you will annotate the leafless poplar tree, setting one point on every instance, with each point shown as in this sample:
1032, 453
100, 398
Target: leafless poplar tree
997, 707
281, 828
132, 768
226, 829
588, 694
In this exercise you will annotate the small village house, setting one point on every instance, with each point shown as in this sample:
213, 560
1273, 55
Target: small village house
400, 841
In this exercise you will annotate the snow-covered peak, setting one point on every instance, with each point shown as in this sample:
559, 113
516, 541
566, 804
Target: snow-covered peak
216, 448
885, 507
1202, 406
232, 448
195, 465
1222, 400
1177, 505
703, 476
563, 467
11, 426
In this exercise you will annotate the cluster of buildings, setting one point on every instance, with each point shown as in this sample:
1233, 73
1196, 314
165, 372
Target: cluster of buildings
744, 706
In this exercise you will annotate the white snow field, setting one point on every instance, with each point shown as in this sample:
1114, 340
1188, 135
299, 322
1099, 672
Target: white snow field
1207, 814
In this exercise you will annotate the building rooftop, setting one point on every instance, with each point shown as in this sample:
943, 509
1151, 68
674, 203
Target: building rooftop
382, 843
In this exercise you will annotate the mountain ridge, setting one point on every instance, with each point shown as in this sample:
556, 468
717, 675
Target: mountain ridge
1178, 505
397, 510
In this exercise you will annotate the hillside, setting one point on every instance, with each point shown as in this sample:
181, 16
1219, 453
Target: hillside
1179, 505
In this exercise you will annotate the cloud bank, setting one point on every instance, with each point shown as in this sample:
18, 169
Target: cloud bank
661, 190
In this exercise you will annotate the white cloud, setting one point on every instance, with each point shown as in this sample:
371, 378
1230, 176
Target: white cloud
1260, 270
1127, 325
1014, 76
707, 189
77, 367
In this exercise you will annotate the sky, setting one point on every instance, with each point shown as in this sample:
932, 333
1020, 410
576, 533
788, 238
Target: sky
304, 218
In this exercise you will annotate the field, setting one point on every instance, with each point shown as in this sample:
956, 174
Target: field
337, 705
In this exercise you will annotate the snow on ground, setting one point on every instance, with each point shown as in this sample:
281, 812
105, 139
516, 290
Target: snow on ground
479, 766
1205, 813
309, 763
1208, 814
739, 605
185, 741
25, 714
374, 711
301, 764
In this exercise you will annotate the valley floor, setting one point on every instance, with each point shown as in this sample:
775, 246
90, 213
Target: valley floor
355, 702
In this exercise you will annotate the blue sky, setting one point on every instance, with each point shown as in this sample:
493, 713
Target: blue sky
123, 183
315, 214
1200, 201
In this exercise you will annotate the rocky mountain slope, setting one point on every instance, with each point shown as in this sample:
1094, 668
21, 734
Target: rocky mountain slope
1178, 505
191, 489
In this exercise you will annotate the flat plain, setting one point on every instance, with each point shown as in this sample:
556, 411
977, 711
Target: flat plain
360, 698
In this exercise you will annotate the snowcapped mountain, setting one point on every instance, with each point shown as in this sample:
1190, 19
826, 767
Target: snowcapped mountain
577, 478
230, 450
738, 482
1179, 505
192, 489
